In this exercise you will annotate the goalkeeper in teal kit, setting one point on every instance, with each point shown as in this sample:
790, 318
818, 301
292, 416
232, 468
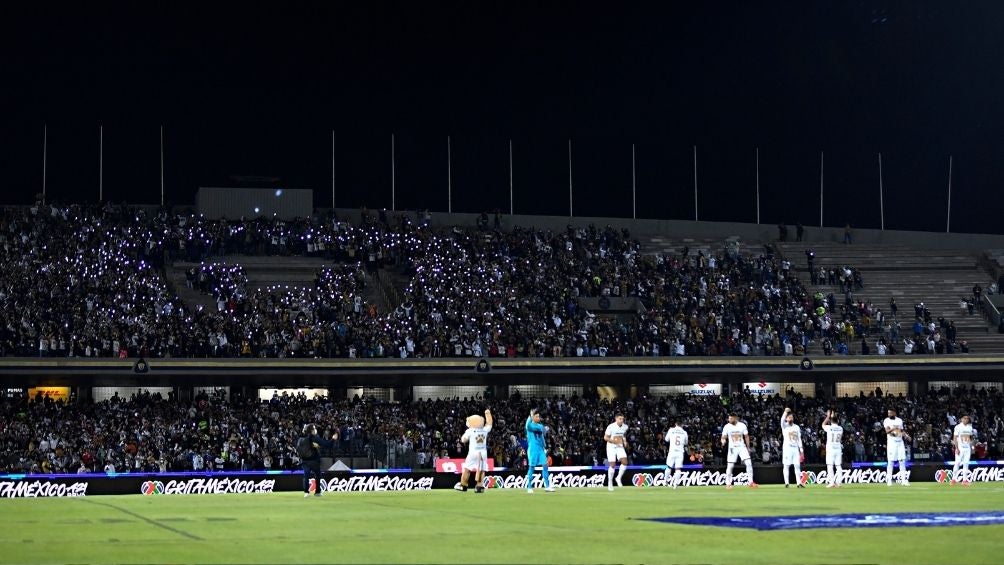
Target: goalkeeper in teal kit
536, 451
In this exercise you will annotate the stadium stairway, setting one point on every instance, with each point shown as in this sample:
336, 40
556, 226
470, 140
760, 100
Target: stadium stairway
655, 245
938, 278
262, 272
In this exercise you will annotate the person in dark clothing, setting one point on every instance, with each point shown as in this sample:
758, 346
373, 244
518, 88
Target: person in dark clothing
799, 231
312, 462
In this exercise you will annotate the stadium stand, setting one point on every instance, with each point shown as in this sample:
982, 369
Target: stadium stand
941, 280
149, 433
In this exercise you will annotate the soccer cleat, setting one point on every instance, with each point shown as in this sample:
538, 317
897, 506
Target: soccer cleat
906, 483
728, 487
800, 486
318, 493
459, 487
610, 488
831, 486
953, 482
786, 485
551, 489
619, 482
479, 489
306, 495
529, 491
753, 485
966, 483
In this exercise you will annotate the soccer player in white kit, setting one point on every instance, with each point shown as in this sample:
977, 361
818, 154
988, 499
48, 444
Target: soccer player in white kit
616, 449
737, 436
476, 437
895, 448
791, 453
962, 441
834, 448
676, 437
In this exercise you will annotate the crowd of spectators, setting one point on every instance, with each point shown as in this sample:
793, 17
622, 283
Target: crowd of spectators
148, 433
89, 281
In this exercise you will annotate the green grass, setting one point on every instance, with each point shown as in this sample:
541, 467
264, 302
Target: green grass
569, 526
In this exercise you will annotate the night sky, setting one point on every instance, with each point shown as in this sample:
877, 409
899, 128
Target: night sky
258, 92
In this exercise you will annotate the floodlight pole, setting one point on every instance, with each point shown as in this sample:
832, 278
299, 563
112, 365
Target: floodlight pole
162, 166
449, 176
820, 189
393, 175
510, 179
695, 184
948, 220
634, 186
101, 163
45, 156
570, 214
758, 185
881, 196
332, 170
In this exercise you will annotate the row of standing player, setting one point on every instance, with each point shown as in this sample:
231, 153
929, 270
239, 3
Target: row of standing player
735, 435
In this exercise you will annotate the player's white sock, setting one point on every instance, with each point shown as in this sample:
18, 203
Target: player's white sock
829, 471
888, 468
728, 474
798, 474
676, 477
902, 472
749, 469
784, 471
835, 479
610, 476
620, 472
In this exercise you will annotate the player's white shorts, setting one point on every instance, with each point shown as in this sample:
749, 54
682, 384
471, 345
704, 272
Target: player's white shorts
738, 452
615, 453
834, 455
477, 461
963, 455
674, 460
895, 452
790, 456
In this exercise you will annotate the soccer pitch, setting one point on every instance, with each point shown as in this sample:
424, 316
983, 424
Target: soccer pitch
499, 526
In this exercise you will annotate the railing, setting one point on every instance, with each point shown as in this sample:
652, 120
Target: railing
990, 310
